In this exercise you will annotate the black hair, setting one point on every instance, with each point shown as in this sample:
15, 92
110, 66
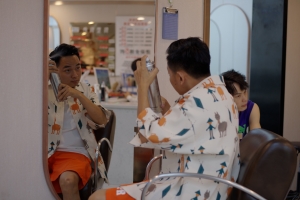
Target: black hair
133, 64
191, 55
232, 76
63, 50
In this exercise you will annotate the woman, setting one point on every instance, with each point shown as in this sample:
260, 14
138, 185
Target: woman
249, 114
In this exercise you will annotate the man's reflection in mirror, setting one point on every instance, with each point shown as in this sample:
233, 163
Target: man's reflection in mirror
71, 142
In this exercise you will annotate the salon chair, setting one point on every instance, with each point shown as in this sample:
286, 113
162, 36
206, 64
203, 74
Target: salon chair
105, 137
267, 167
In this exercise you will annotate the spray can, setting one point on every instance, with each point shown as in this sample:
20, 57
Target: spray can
153, 92
55, 81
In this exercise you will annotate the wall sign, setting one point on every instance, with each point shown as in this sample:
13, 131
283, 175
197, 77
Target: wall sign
134, 38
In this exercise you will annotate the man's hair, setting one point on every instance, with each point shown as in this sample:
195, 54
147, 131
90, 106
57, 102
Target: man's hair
63, 50
133, 64
231, 77
191, 55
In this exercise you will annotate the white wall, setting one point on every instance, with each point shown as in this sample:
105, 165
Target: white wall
21, 54
291, 125
65, 14
190, 24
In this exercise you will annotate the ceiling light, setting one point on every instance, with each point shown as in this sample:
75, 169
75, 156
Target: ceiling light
58, 3
141, 18
91, 22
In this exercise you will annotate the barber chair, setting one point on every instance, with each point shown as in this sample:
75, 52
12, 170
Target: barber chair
268, 164
105, 137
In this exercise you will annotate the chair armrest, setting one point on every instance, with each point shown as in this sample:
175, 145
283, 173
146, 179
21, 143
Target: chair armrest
148, 168
204, 176
96, 160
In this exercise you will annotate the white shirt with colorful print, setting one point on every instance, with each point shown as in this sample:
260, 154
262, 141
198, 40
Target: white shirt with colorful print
83, 122
199, 135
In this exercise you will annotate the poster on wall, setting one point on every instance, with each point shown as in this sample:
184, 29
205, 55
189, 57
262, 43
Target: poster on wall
134, 38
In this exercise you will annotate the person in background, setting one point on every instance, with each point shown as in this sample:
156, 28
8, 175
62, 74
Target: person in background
128, 95
249, 114
133, 64
71, 142
197, 134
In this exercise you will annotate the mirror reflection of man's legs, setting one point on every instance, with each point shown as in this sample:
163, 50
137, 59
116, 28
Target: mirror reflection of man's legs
71, 143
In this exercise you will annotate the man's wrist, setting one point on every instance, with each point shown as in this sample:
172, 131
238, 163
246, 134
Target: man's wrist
80, 96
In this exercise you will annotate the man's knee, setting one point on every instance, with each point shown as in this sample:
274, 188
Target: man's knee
68, 180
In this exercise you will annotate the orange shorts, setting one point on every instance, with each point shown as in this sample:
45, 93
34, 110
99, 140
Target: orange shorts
117, 194
60, 162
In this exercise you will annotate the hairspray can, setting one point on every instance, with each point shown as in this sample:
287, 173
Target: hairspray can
153, 92
55, 81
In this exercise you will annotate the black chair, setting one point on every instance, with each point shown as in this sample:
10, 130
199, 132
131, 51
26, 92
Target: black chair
105, 148
268, 164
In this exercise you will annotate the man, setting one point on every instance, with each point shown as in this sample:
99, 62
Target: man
71, 142
249, 114
182, 131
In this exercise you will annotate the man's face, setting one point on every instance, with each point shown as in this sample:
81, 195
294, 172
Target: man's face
240, 98
69, 70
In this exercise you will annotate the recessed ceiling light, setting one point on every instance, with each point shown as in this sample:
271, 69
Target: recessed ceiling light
91, 22
58, 3
141, 18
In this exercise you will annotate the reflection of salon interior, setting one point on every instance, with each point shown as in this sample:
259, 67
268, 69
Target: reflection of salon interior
110, 36
257, 38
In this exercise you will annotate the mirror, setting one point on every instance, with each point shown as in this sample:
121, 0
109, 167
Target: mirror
54, 33
230, 36
101, 13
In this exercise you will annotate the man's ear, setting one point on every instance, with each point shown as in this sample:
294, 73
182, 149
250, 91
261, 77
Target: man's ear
180, 77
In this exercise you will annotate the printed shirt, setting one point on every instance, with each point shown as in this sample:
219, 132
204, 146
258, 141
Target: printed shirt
83, 122
199, 135
244, 117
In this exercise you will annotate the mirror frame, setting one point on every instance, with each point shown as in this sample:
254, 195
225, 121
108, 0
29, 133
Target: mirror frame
206, 27
45, 98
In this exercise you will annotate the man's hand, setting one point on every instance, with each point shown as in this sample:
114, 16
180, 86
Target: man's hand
165, 106
65, 91
52, 67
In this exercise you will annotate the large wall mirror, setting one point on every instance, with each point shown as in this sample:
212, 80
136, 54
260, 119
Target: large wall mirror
74, 22
230, 29
100, 11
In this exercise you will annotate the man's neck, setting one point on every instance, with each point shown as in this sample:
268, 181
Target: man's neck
192, 82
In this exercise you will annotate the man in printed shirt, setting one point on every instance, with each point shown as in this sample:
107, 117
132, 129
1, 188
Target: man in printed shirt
71, 142
198, 134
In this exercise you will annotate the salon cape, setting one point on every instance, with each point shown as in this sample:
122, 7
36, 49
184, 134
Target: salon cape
81, 118
194, 141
